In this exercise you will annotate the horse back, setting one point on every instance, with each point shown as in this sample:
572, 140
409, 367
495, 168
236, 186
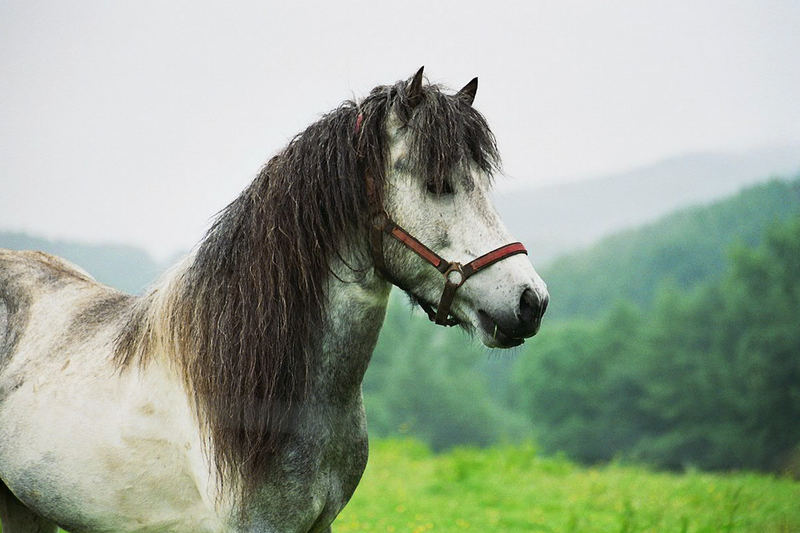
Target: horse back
29, 279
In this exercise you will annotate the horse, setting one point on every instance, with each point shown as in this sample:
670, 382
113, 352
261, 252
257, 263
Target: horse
227, 397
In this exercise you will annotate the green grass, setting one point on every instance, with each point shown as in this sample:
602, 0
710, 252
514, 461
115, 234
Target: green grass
407, 488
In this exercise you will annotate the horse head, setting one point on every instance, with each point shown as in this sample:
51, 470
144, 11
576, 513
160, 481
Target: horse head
450, 250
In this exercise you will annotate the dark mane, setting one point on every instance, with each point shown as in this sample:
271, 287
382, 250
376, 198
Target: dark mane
242, 321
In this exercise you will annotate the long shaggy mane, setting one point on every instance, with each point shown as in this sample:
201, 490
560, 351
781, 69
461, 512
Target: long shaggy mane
241, 320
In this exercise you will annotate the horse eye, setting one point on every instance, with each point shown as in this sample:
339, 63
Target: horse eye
443, 187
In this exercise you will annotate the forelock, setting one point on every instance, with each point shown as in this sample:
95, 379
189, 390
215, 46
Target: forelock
444, 135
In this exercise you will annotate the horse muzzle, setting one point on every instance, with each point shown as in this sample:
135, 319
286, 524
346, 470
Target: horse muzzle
506, 330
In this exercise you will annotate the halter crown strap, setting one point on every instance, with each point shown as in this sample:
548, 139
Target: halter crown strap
455, 274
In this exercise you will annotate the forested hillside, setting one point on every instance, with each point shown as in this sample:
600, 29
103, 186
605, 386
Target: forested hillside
682, 249
708, 377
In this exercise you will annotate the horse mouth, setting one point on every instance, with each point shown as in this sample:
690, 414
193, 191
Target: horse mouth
493, 335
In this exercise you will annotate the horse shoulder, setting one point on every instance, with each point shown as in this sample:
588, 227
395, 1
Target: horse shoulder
140, 464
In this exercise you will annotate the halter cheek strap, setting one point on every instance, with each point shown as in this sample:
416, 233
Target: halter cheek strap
455, 274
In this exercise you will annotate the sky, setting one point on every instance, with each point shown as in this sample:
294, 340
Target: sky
135, 122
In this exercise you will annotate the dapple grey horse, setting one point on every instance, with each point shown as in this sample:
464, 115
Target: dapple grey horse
228, 396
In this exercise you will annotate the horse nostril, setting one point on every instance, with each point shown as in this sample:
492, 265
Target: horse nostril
531, 310
528, 306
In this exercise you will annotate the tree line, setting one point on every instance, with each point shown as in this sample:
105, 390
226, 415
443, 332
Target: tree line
708, 378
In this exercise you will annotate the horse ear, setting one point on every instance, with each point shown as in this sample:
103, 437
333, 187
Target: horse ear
467, 93
414, 89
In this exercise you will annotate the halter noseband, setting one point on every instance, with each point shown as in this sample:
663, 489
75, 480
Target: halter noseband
455, 274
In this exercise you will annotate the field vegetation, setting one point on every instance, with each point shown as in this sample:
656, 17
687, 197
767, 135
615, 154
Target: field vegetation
513, 488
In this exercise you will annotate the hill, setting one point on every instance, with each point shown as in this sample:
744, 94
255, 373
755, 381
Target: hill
557, 219
684, 248
127, 268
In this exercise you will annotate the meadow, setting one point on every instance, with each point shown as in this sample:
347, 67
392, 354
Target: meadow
514, 488
408, 488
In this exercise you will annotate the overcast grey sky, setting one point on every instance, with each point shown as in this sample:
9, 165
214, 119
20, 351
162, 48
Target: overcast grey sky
136, 121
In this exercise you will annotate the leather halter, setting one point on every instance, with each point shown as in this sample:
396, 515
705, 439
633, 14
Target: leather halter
455, 274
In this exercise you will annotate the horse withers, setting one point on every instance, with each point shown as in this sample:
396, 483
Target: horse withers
228, 396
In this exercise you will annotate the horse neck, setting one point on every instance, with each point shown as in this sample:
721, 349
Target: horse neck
356, 309
357, 299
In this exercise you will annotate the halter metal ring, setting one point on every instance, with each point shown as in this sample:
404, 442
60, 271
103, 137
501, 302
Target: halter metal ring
454, 275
